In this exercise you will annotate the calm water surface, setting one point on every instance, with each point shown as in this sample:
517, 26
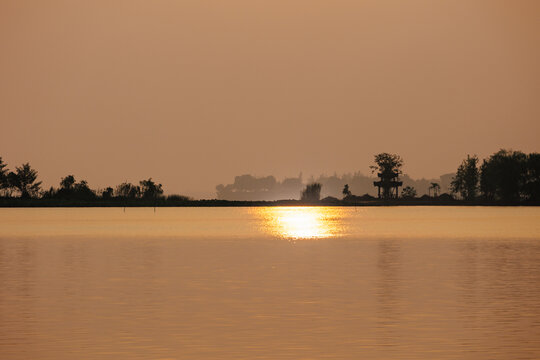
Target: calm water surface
270, 283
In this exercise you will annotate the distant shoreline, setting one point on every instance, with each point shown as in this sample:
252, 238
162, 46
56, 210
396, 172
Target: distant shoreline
120, 203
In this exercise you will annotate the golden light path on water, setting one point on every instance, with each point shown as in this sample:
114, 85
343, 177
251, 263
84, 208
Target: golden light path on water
302, 223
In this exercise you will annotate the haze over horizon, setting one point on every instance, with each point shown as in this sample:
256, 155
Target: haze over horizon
193, 93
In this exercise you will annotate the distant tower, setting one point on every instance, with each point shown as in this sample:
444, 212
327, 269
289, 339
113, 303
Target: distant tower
389, 183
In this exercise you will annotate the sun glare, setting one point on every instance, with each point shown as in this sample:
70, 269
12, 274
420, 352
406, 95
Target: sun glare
300, 222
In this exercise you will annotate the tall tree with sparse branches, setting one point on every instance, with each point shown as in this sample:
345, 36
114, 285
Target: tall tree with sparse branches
465, 183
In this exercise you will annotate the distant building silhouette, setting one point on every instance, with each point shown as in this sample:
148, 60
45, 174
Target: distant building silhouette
248, 187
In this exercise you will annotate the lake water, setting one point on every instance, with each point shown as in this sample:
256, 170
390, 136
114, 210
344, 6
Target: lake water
270, 283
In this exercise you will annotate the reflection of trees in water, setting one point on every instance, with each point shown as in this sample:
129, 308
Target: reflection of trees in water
388, 290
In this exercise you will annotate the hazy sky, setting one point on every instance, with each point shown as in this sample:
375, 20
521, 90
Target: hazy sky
193, 93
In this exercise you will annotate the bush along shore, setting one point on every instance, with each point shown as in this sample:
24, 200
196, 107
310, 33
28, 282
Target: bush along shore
506, 177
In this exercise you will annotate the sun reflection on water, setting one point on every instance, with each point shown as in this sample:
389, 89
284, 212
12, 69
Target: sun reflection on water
301, 222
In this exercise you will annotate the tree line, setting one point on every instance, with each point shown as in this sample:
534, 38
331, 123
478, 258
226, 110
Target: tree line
248, 187
22, 182
505, 177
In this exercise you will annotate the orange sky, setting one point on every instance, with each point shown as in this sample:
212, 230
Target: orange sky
193, 93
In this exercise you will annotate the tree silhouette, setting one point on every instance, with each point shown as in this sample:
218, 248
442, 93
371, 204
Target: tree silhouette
150, 190
67, 182
107, 193
24, 180
49, 194
386, 162
346, 192
408, 192
466, 180
388, 167
70, 189
436, 188
504, 175
532, 182
4, 183
312, 192
128, 190
82, 191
